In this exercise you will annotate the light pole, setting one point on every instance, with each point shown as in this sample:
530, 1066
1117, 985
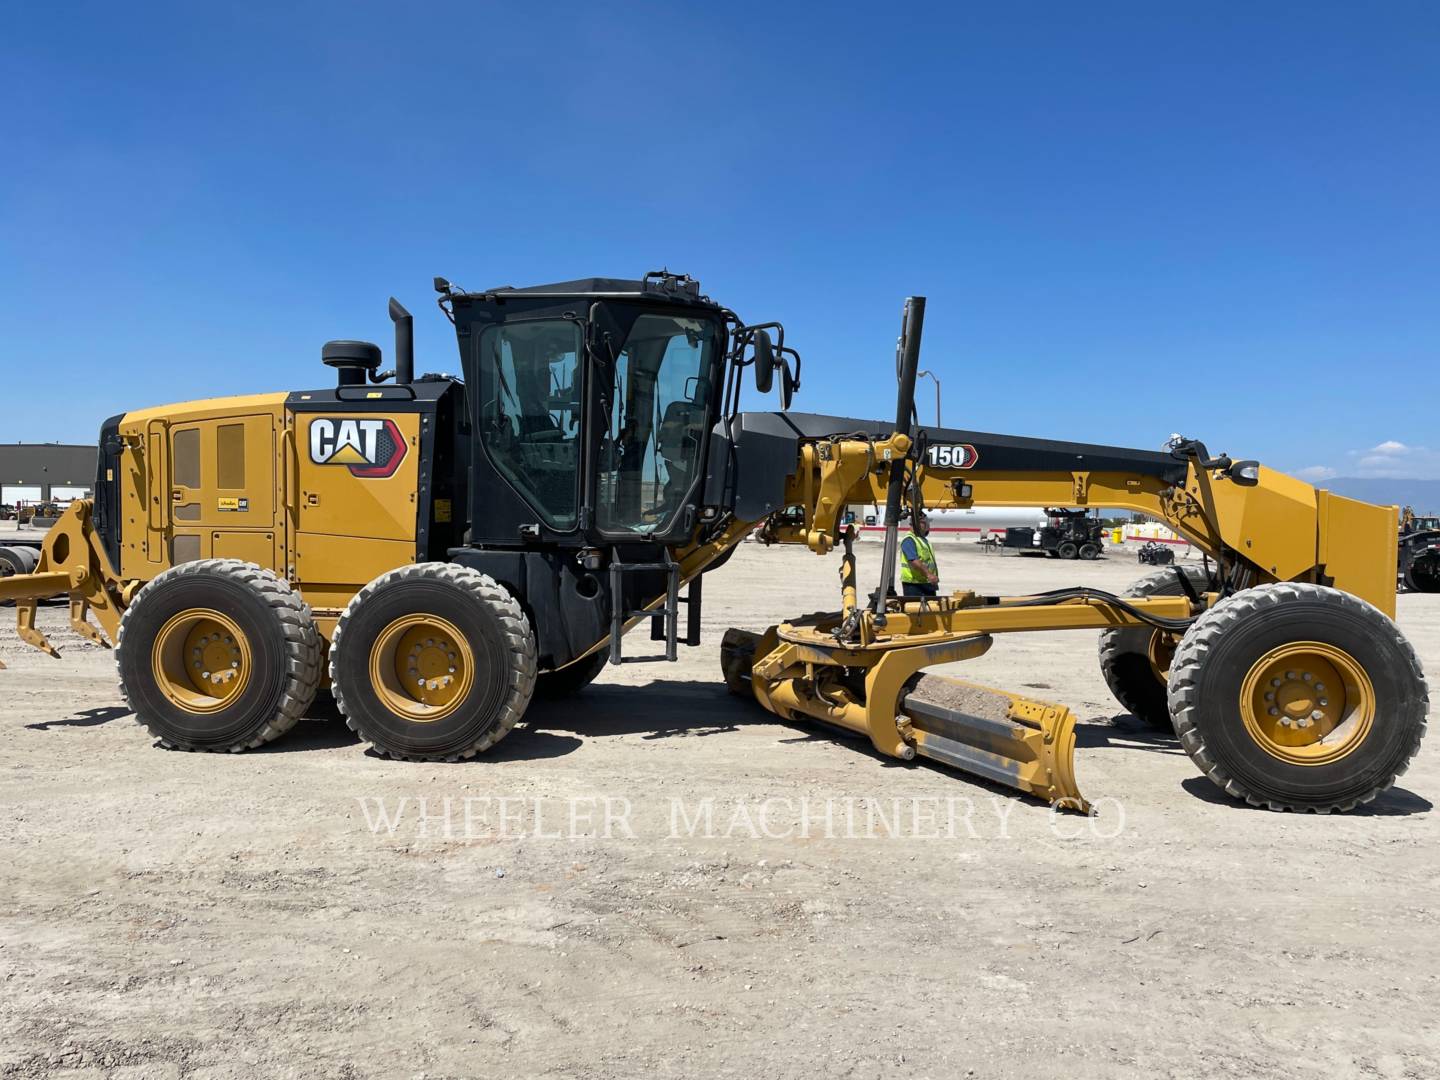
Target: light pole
936, 381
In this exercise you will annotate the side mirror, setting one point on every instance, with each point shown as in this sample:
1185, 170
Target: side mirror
787, 385
764, 362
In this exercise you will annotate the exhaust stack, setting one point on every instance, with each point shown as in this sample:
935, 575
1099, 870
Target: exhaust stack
404, 342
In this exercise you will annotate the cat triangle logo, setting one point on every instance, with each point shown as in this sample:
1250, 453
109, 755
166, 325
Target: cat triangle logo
347, 455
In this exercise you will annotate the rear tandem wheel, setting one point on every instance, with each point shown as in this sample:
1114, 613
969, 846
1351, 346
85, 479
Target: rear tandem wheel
218, 655
433, 662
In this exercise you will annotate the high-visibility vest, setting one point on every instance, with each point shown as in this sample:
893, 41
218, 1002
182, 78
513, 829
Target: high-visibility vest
927, 556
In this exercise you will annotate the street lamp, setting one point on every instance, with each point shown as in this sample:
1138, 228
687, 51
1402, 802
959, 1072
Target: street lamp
936, 381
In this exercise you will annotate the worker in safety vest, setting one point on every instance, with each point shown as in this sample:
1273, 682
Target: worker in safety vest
919, 574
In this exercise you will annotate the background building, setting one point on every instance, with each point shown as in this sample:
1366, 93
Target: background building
38, 472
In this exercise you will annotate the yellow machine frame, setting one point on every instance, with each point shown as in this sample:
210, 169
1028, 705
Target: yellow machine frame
329, 535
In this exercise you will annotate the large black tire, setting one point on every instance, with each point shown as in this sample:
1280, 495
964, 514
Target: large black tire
17, 560
279, 676
1089, 551
1125, 654
1236, 638
553, 685
495, 641
1067, 549
1423, 576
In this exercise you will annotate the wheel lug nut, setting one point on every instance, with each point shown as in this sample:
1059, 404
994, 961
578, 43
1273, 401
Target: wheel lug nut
1320, 688
1290, 675
1274, 711
1324, 701
1274, 682
1269, 695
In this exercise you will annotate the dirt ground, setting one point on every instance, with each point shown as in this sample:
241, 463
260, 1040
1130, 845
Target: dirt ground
165, 914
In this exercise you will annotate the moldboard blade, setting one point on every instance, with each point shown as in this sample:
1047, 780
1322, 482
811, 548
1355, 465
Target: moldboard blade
1005, 738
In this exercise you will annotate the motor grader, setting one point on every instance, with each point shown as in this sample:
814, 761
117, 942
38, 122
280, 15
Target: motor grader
441, 549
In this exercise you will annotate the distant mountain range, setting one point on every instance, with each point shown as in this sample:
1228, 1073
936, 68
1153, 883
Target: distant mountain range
1423, 495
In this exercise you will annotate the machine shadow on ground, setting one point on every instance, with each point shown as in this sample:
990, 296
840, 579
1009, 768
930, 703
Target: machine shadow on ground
102, 714
1397, 802
1123, 732
662, 709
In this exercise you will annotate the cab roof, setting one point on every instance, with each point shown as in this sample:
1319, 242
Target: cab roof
656, 284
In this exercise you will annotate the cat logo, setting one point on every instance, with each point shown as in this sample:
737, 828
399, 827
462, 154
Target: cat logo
369, 448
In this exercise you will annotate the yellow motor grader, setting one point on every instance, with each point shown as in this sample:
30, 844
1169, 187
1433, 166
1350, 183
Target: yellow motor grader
441, 549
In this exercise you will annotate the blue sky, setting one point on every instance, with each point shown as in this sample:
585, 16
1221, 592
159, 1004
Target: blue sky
1130, 219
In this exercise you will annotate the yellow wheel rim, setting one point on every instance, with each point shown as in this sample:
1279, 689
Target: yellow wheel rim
1308, 703
1162, 654
201, 660
421, 667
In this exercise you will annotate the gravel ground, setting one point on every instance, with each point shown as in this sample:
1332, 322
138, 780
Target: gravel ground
289, 912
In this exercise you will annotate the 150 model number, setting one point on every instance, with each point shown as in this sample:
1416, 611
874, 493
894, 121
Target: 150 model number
951, 456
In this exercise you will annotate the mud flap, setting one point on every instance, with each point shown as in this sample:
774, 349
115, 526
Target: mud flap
1007, 739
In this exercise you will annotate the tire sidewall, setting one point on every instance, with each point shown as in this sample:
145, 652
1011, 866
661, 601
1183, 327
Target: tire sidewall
239, 722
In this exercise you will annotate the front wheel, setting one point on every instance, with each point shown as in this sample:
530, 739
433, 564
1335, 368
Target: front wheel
433, 662
1298, 697
1135, 660
1067, 550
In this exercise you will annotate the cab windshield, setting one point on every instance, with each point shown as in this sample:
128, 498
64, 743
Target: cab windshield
655, 435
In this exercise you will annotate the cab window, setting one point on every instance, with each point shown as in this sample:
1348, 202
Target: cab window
655, 436
530, 412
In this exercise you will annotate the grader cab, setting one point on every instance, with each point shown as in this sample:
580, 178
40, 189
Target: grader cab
442, 549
